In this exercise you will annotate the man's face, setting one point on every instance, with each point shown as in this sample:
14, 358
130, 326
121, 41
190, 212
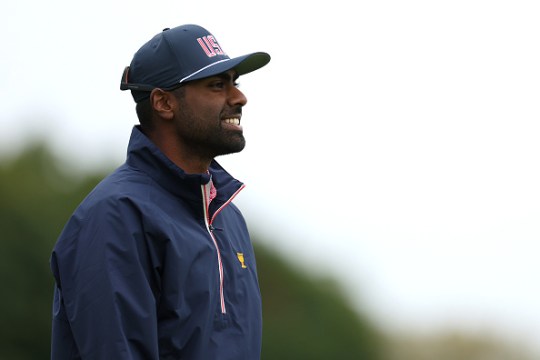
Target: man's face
208, 116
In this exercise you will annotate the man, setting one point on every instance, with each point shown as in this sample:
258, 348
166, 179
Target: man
156, 262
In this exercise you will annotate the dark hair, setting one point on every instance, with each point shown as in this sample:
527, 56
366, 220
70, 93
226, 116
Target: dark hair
144, 113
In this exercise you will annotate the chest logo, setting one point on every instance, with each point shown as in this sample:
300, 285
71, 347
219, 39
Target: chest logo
241, 259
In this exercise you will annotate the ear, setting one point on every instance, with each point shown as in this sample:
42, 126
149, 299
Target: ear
163, 103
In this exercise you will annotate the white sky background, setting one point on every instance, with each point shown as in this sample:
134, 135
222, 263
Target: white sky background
392, 144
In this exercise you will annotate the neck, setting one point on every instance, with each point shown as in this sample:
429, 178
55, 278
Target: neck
181, 155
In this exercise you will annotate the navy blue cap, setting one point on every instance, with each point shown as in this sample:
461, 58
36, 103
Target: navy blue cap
179, 55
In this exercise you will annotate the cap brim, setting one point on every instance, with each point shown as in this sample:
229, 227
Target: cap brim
242, 64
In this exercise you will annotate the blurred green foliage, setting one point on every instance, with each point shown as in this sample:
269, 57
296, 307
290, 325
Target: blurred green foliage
308, 318
35, 200
304, 317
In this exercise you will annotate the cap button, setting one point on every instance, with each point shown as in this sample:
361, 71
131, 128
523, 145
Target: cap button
166, 29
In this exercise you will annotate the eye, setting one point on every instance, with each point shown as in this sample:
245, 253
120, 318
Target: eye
218, 84
221, 84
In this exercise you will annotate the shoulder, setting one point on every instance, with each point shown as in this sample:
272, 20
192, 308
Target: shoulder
120, 195
124, 183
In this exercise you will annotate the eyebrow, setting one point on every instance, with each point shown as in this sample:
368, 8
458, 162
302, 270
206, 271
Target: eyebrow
227, 76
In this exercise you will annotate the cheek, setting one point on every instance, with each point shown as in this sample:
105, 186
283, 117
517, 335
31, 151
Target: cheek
198, 112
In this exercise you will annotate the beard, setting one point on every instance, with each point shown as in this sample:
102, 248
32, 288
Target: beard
205, 135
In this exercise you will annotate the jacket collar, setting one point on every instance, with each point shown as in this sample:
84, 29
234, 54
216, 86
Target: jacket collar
144, 155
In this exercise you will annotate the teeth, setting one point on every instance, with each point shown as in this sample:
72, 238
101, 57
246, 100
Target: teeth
234, 121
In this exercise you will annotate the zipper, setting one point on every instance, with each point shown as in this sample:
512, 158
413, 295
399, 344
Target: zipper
210, 228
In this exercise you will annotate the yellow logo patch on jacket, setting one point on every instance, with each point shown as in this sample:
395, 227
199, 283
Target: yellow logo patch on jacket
241, 259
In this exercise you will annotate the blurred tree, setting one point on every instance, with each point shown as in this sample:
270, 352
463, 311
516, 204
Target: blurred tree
35, 201
308, 318
303, 319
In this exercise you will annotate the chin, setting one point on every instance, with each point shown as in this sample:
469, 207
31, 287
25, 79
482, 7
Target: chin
231, 148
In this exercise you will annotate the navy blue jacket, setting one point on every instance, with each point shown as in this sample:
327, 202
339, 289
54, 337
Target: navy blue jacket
146, 269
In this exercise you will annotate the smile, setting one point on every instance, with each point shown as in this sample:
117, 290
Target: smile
233, 121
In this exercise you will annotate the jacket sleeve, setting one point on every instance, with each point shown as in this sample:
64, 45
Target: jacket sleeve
106, 283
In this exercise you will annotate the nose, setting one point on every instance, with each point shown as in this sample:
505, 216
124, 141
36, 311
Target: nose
237, 97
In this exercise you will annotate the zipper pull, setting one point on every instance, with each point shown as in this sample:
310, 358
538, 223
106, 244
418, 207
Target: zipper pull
211, 227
